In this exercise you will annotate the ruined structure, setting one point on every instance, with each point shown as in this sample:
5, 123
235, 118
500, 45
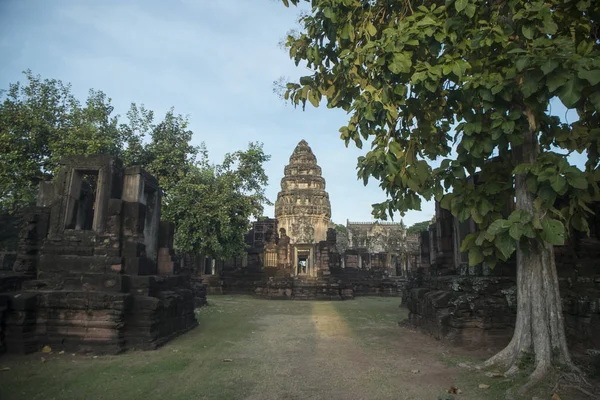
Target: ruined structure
476, 306
299, 254
94, 268
377, 245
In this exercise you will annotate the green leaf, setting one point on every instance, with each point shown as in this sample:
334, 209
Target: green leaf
401, 63
528, 31
593, 76
558, 184
580, 223
555, 81
460, 5
498, 226
549, 66
577, 180
475, 257
515, 231
549, 27
371, 29
570, 93
470, 10
313, 97
553, 231
506, 244
522, 63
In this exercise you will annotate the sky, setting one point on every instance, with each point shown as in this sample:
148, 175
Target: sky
212, 60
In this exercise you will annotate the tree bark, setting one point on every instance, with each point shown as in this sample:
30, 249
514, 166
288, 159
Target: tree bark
539, 329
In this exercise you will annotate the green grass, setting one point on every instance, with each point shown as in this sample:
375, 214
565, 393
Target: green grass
278, 350
191, 366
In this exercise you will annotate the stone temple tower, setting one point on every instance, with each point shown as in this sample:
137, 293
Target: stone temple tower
302, 207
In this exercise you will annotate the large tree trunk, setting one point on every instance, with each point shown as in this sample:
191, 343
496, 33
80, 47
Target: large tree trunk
539, 329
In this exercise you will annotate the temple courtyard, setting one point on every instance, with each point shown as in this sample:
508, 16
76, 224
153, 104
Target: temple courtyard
246, 348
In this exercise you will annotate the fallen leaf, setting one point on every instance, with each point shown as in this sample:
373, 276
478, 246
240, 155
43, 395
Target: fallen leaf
227, 360
415, 371
95, 356
46, 349
43, 360
483, 386
464, 365
555, 396
61, 352
494, 374
5, 369
452, 390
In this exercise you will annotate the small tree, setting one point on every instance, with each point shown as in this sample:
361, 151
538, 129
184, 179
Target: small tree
468, 83
212, 205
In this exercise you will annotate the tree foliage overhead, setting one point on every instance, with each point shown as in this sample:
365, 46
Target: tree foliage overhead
454, 98
41, 121
459, 82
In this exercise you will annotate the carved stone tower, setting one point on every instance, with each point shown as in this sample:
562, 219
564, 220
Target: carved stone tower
302, 207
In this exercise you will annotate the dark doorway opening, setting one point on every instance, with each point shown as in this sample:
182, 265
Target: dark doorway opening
302, 264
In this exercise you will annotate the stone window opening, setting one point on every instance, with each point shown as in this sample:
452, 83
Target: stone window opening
84, 189
150, 234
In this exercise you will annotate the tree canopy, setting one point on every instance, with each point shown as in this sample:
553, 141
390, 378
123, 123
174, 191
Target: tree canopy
457, 83
418, 227
41, 121
454, 98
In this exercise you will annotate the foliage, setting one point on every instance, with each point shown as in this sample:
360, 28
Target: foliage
341, 229
39, 124
457, 83
41, 121
419, 227
231, 193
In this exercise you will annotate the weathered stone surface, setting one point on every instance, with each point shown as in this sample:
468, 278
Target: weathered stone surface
85, 275
302, 207
476, 306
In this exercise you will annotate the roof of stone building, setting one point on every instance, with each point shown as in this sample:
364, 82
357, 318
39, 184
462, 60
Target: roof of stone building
302, 186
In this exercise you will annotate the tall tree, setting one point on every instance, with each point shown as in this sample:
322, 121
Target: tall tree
40, 122
468, 83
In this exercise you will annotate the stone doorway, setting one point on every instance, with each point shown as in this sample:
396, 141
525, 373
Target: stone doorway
304, 264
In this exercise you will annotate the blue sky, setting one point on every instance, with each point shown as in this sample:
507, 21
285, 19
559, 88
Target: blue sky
214, 60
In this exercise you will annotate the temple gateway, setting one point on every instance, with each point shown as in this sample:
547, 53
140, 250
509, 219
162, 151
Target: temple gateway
302, 254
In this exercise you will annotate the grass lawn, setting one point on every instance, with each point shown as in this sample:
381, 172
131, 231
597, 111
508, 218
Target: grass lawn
246, 348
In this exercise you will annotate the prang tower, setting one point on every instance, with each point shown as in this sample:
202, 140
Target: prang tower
302, 207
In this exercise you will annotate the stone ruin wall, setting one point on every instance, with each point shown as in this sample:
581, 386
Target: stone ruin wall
94, 267
476, 306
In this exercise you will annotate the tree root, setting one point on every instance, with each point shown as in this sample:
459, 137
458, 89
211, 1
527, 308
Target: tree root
570, 376
576, 380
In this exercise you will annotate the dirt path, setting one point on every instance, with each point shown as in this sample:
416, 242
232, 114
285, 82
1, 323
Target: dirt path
325, 353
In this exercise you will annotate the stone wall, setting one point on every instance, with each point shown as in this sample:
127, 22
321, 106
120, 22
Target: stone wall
95, 269
476, 306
